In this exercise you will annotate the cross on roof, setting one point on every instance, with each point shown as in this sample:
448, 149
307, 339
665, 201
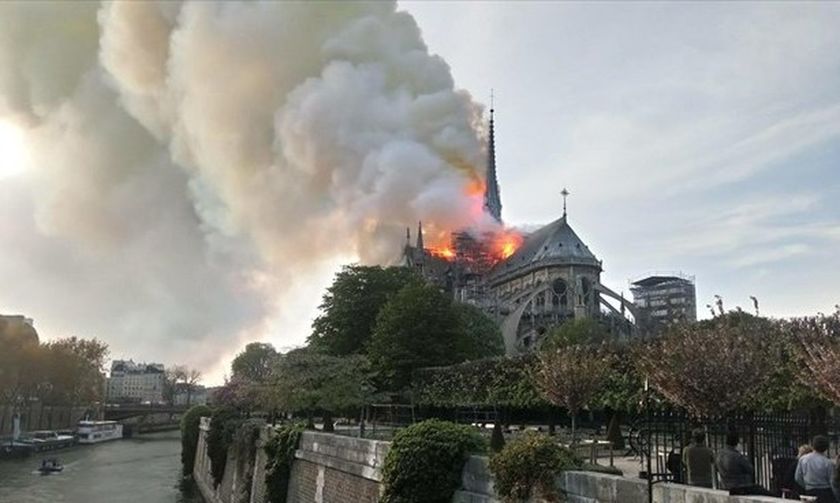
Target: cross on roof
565, 193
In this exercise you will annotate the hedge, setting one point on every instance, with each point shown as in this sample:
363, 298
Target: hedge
425, 461
502, 381
190, 423
528, 466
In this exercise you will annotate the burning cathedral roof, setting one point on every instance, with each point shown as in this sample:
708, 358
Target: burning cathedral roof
555, 242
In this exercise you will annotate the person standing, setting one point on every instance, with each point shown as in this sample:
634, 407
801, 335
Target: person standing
699, 461
736, 471
815, 472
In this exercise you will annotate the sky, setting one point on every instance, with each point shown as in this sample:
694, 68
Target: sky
178, 181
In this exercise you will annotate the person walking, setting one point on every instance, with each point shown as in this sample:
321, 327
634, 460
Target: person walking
699, 461
736, 471
815, 472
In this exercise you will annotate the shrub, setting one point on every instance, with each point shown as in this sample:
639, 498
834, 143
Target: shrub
281, 453
223, 426
528, 464
189, 436
425, 461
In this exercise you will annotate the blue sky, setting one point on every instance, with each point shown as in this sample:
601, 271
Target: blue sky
701, 137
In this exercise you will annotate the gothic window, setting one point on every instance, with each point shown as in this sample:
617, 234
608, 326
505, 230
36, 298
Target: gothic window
560, 293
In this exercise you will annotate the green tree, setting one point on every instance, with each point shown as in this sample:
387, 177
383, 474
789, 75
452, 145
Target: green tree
255, 362
305, 381
351, 304
417, 328
482, 337
577, 331
75, 367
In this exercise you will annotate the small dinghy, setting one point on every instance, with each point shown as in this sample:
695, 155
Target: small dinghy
51, 465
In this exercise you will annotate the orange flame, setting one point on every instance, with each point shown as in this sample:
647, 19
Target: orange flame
505, 243
445, 252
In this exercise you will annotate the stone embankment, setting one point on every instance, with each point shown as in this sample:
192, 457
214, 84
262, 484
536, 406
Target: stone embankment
337, 469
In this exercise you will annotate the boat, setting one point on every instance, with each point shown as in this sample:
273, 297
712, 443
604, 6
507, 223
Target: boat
93, 432
50, 465
48, 440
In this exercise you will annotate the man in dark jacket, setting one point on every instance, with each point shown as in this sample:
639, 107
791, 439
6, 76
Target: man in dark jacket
736, 471
698, 460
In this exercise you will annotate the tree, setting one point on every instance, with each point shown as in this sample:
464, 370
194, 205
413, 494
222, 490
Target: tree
351, 304
577, 331
417, 328
482, 337
714, 366
305, 381
817, 347
254, 364
75, 368
569, 376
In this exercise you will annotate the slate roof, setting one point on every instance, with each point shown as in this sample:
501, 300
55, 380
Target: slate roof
555, 242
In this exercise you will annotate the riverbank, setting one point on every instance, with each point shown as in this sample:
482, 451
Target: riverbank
145, 468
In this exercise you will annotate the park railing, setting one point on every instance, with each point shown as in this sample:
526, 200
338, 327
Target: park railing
770, 441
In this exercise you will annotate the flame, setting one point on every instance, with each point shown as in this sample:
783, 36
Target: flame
505, 243
445, 252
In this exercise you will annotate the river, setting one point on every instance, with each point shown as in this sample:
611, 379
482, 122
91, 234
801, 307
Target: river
143, 469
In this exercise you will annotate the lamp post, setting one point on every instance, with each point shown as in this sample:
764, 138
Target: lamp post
649, 441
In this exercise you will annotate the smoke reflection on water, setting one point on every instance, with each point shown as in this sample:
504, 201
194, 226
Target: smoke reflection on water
142, 469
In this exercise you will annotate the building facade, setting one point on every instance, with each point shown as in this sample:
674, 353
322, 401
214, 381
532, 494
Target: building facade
135, 382
663, 300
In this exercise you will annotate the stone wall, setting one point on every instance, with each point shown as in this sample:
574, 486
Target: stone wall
335, 469
331, 469
236, 485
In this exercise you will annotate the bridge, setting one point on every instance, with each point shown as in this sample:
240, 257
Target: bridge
125, 411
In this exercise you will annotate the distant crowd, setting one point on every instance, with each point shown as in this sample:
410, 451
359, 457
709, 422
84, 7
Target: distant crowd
813, 474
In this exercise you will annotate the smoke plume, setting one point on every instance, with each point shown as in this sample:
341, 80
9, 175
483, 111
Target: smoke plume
193, 162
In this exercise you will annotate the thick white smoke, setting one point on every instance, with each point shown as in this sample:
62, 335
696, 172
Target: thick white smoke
195, 158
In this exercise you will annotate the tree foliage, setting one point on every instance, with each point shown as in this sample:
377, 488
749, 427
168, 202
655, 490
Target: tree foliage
254, 363
304, 380
420, 327
527, 467
223, 426
712, 367
61, 372
425, 461
482, 337
190, 422
577, 331
501, 381
351, 305
817, 350
280, 451
570, 376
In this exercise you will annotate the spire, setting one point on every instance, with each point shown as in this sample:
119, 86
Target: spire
492, 199
420, 236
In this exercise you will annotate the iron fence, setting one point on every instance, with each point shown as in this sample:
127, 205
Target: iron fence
770, 441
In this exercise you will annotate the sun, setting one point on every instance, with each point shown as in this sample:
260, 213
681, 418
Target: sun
13, 152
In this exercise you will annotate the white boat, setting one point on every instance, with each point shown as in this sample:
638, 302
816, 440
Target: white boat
93, 432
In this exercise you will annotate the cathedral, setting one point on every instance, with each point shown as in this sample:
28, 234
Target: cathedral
529, 284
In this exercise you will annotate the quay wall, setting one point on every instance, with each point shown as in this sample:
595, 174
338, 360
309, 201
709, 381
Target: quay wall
331, 468
36, 416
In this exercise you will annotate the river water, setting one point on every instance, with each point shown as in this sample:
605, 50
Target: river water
143, 469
